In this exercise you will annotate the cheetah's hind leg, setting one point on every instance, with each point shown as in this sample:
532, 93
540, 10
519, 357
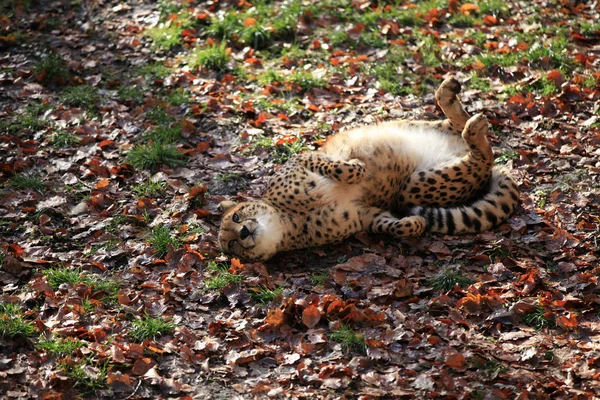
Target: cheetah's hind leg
378, 221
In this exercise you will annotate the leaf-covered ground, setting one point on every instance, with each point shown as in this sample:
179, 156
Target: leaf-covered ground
123, 124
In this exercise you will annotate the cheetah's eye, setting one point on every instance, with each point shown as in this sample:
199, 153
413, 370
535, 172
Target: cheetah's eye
235, 218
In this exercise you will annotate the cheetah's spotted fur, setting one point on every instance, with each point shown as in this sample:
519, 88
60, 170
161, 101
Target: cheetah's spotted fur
363, 178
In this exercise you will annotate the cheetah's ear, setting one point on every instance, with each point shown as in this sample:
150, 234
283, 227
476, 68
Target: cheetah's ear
226, 205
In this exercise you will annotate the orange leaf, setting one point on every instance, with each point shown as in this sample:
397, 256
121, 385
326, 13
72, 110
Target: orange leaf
106, 143
103, 184
567, 322
465, 8
250, 21
311, 316
275, 318
262, 117
236, 265
283, 117
456, 360
490, 20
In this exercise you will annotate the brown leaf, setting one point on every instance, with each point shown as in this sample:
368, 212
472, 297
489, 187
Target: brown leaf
311, 316
456, 361
142, 365
119, 382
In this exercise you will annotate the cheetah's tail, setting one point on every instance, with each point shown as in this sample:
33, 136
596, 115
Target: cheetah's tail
488, 210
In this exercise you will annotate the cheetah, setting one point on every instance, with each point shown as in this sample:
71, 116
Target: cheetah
401, 178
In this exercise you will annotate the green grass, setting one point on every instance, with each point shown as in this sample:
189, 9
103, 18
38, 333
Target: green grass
319, 278
13, 323
165, 36
51, 68
478, 83
507, 156
155, 71
110, 289
161, 240
178, 97
131, 93
83, 96
263, 295
148, 188
59, 275
214, 57
88, 378
165, 134
150, 328
159, 115
63, 138
60, 346
493, 7
150, 156
22, 181
306, 80
490, 366
280, 153
349, 339
31, 119
447, 279
221, 277
538, 319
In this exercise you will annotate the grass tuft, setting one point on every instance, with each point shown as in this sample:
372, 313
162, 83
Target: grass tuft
447, 279
150, 156
150, 328
349, 339
83, 96
12, 322
33, 182
213, 57
60, 346
161, 240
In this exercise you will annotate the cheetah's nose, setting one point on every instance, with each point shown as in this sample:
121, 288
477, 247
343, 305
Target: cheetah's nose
244, 233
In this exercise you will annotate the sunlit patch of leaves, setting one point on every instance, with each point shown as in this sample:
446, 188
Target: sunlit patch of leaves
214, 57
150, 328
60, 346
220, 277
348, 338
161, 240
63, 138
84, 96
447, 279
24, 181
150, 156
13, 322
540, 319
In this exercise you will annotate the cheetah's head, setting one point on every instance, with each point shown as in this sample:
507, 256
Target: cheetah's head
250, 230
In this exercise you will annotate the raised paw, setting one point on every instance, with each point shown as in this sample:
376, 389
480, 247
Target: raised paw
476, 127
448, 91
